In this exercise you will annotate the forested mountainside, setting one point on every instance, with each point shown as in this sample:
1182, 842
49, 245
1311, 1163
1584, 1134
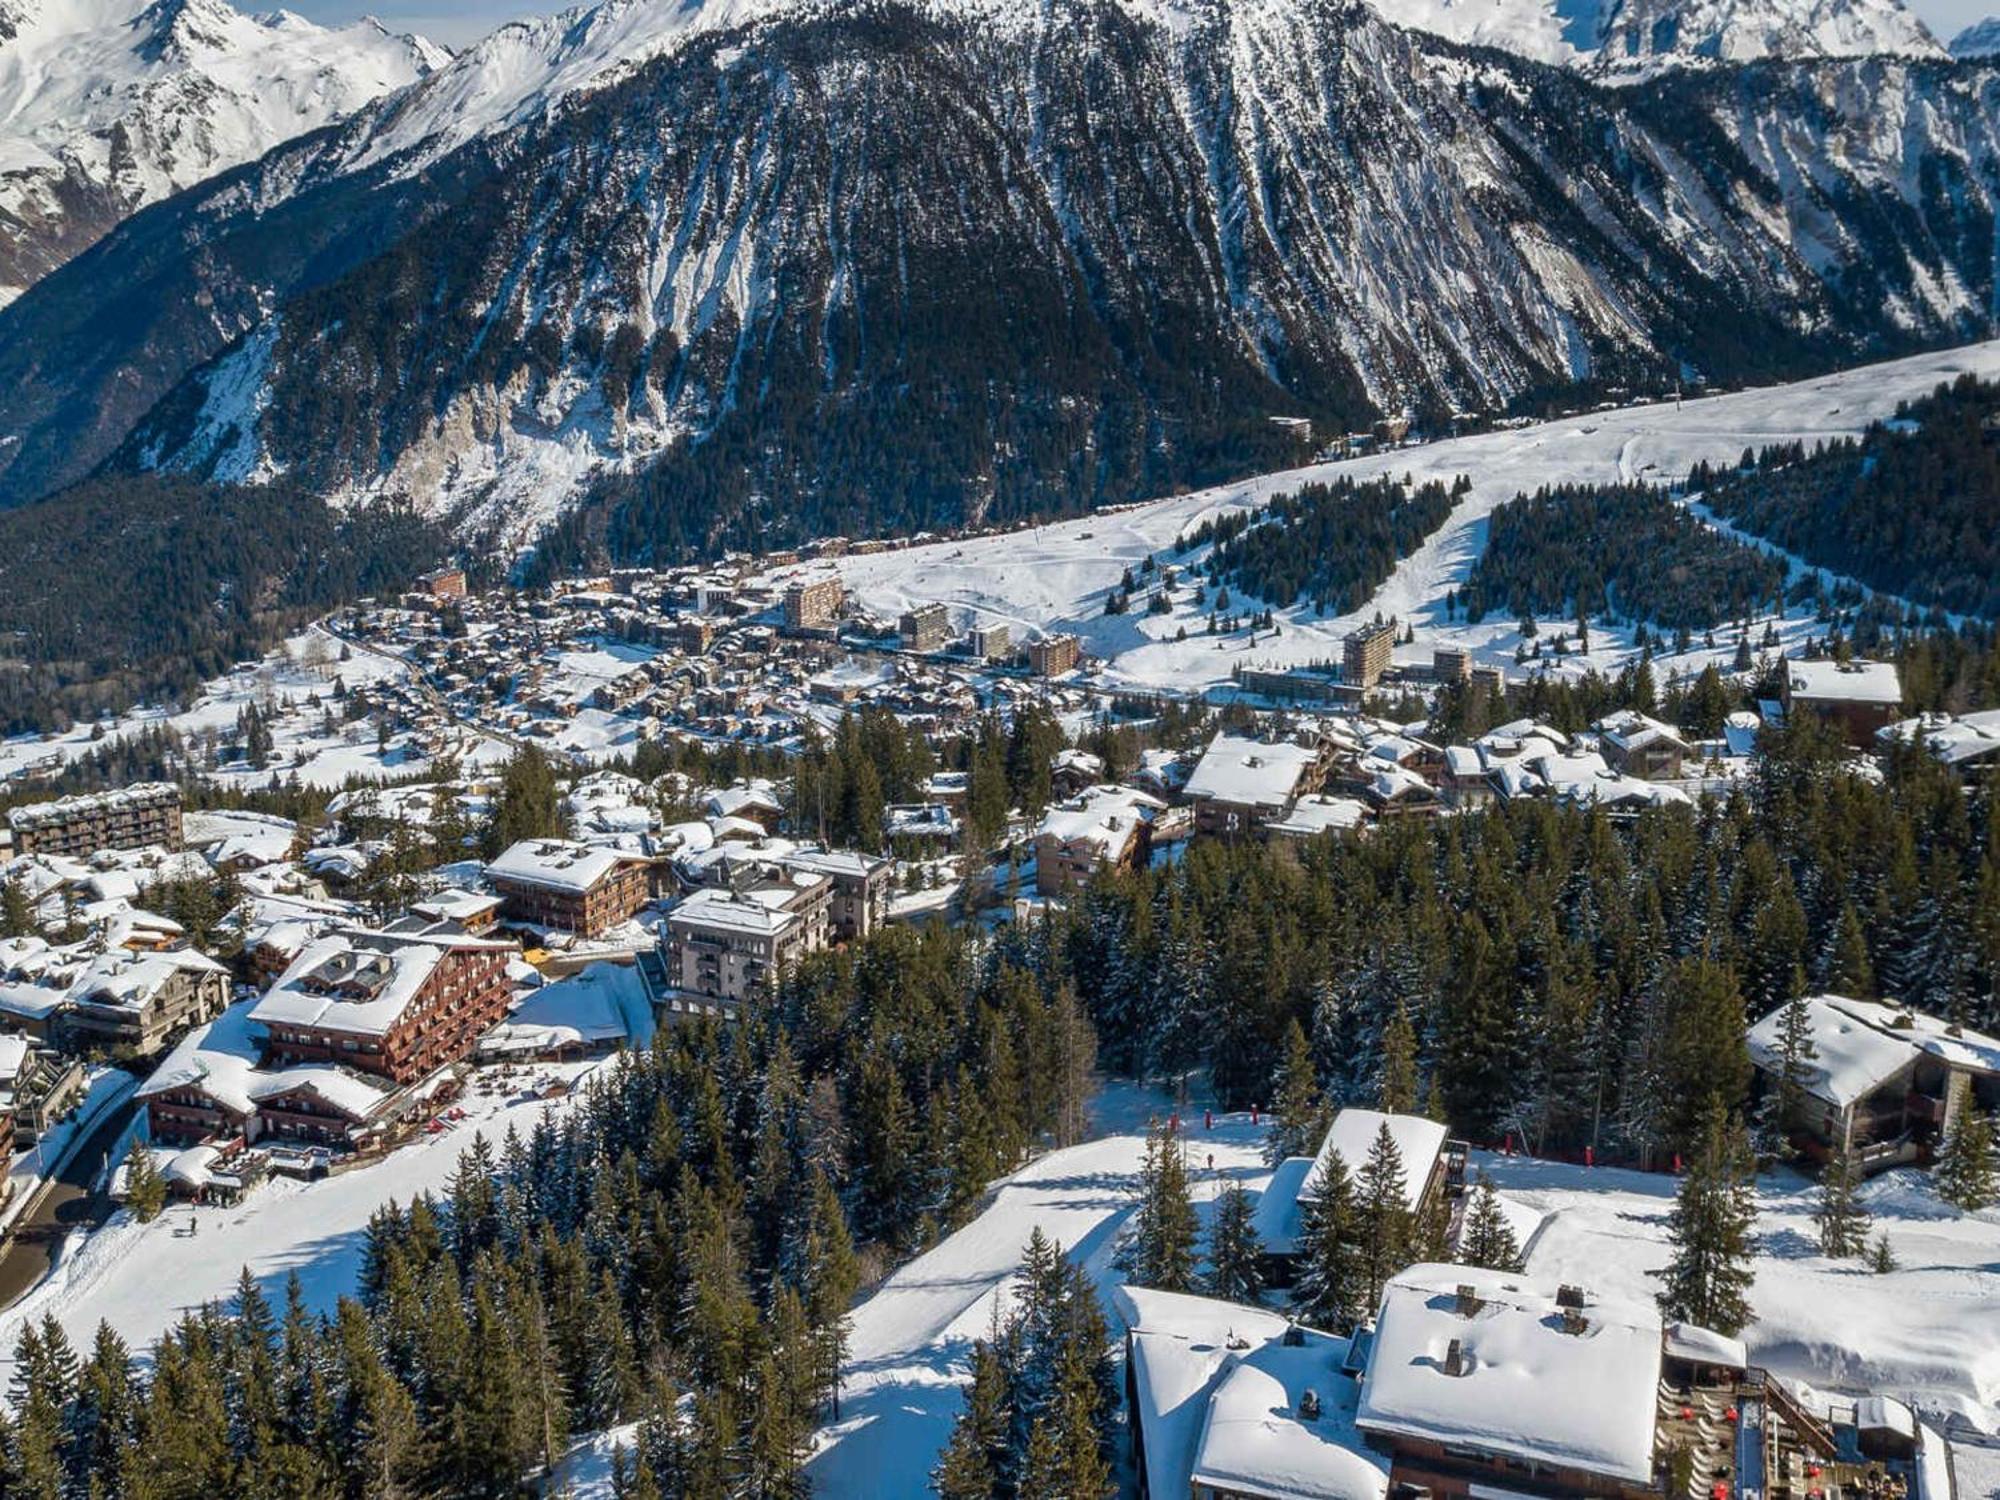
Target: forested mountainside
877, 265
1911, 508
1620, 552
106, 105
133, 588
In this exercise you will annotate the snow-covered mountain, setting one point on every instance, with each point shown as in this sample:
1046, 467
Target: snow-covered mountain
107, 105
670, 274
1980, 39
1631, 39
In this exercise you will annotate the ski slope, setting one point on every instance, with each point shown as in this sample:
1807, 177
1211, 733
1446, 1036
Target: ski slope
1056, 578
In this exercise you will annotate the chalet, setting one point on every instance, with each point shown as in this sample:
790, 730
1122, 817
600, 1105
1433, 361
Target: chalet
1640, 746
1433, 1172
1487, 1383
1240, 783
584, 889
213, 1090
136, 1002
1968, 744
397, 1006
1101, 827
1887, 1083
1072, 770
1859, 698
1230, 1402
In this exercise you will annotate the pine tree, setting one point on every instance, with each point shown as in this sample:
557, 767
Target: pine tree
1709, 1278
145, 1188
1965, 1169
1487, 1239
1330, 1290
1843, 1222
1382, 1204
1881, 1257
969, 1469
1397, 1090
1235, 1254
1298, 1107
1780, 1114
1166, 1226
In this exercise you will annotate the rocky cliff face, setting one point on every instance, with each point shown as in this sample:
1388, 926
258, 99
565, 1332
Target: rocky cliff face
881, 263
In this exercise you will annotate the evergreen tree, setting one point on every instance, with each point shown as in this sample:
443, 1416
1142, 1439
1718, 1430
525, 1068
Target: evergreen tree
1164, 1248
1709, 1278
1965, 1169
1298, 1107
1235, 1253
1487, 1239
1781, 1113
1842, 1220
1382, 1211
1330, 1291
145, 1188
1397, 1091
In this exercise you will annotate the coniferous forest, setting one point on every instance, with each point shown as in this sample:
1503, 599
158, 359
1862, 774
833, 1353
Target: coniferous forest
1330, 543
1627, 551
1911, 508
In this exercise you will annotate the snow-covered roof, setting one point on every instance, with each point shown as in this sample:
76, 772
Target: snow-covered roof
1953, 741
1352, 1134
1277, 1212
732, 911
1830, 681
13, 1057
1238, 769
557, 864
1316, 814
1526, 1387
220, 1058
1961, 1048
1631, 730
1857, 1050
1101, 816
1255, 1440
606, 1002
1704, 1346
129, 980
354, 983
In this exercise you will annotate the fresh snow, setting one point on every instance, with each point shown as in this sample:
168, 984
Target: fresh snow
140, 100
1056, 577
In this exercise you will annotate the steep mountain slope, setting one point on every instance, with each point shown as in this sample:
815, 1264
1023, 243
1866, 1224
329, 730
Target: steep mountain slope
1631, 39
879, 263
106, 105
1981, 39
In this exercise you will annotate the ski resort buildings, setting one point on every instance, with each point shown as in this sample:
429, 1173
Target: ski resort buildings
1857, 698
564, 886
133, 817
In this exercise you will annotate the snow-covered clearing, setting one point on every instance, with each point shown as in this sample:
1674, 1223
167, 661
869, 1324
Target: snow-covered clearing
1928, 1333
1056, 577
142, 1277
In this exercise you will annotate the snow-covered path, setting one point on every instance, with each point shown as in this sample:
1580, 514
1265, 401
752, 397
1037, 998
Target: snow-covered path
1056, 577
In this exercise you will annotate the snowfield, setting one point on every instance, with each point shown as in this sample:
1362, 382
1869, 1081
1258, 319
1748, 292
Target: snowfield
1928, 1333
141, 1278
1056, 578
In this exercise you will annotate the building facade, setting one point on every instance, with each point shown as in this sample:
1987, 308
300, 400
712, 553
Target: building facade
569, 887
1365, 654
133, 817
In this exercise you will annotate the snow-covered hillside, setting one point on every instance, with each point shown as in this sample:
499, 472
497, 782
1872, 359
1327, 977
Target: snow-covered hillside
1631, 39
107, 105
1057, 577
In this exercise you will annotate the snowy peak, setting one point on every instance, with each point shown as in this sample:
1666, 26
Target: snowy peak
1980, 39
1629, 39
107, 105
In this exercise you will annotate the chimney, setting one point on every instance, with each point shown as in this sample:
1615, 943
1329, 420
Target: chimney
1569, 1296
1309, 1405
1467, 1303
1454, 1358
1574, 1322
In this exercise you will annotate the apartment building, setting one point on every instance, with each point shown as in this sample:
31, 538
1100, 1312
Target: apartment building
734, 945
133, 817
565, 886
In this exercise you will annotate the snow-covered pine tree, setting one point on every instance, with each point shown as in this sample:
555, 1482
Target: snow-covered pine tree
1708, 1280
1328, 1292
1235, 1253
1779, 1114
1165, 1224
1383, 1211
1298, 1107
1487, 1239
1965, 1175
